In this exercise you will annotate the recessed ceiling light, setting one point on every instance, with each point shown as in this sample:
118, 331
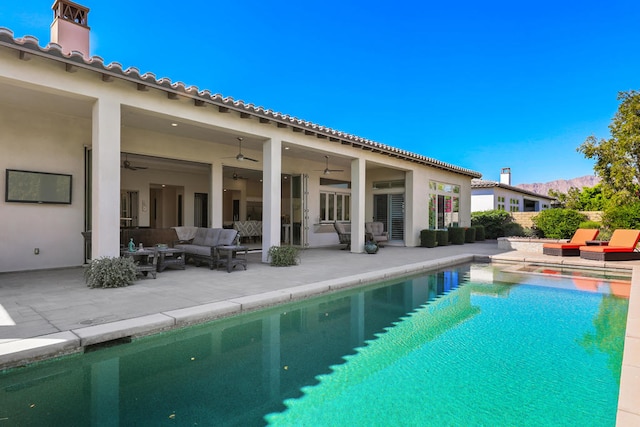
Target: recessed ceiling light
286, 148
174, 124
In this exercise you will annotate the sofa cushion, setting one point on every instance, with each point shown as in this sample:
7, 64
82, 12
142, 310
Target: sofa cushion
213, 235
189, 248
201, 234
227, 237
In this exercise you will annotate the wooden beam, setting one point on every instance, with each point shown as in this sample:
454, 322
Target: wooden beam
198, 102
245, 115
70, 68
25, 56
223, 109
308, 132
282, 125
172, 95
332, 139
107, 78
297, 129
321, 136
263, 120
142, 88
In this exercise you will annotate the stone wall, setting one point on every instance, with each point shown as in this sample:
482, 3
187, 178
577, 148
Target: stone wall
524, 218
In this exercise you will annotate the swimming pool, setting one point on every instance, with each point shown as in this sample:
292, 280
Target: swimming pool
472, 345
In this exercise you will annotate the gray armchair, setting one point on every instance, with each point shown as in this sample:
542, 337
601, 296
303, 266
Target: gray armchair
344, 234
375, 231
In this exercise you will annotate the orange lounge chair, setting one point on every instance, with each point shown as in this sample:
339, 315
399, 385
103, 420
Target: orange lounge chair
621, 247
571, 248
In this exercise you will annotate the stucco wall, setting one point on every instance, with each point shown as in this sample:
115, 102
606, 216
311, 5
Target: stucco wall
49, 143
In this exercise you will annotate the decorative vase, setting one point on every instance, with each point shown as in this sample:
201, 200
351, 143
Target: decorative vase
370, 248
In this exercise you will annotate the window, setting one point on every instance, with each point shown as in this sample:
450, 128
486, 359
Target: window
334, 206
335, 200
444, 205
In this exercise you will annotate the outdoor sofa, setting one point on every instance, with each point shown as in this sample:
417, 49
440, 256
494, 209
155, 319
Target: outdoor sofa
202, 248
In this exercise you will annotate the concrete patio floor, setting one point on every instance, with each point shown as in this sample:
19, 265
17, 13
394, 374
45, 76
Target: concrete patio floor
52, 312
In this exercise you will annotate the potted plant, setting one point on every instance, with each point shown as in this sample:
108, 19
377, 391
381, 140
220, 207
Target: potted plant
109, 272
371, 247
283, 256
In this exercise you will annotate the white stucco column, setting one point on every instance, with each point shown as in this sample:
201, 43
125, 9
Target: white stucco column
105, 191
215, 199
412, 207
272, 195
358, 181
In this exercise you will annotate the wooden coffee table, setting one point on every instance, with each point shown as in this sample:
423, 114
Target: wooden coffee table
143, 258
175, 258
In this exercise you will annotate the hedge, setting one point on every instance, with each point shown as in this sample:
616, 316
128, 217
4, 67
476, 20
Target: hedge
428, 238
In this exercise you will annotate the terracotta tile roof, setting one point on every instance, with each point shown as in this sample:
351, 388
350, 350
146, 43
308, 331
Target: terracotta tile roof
481, 183
29, 45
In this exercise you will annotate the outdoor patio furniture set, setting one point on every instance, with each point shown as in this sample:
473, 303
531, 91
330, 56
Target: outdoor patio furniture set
621, 246
174, 247
374, 231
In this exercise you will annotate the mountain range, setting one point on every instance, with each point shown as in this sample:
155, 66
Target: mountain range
561, 185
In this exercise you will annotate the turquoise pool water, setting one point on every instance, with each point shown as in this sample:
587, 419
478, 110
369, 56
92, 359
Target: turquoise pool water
472, 345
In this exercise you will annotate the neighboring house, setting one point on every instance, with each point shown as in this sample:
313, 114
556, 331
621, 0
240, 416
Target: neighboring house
490, 195
113, 148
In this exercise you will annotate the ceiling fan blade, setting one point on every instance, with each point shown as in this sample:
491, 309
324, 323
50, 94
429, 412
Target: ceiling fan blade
241, 157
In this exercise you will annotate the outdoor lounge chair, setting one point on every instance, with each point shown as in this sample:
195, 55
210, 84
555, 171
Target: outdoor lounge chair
572, 247
375, 231
621, 247
344, 234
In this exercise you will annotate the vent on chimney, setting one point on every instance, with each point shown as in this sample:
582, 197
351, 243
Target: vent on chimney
70, 27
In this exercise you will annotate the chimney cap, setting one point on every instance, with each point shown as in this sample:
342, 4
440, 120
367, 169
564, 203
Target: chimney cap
70, 11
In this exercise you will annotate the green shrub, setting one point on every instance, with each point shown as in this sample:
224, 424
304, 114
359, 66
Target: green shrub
109, 272
589, 224
558, 223
513, 229
428, 238
283, 256
456, 235
469, 235
493, 221
479, 232
622, 217
442, 237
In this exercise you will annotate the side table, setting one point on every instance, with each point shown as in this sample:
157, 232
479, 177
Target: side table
597, 242
232, 256
174, 260
144, 260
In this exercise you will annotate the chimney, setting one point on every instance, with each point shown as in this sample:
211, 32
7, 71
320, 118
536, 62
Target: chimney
69, 28
505, 176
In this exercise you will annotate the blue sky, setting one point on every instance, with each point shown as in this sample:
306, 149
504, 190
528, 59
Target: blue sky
482, 85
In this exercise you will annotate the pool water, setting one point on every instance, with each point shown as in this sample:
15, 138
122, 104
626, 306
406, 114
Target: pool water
472, 345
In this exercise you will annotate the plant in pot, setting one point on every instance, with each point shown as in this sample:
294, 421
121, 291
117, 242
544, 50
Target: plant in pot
107, 272
283, 256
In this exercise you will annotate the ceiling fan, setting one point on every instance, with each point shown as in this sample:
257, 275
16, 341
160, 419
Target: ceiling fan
127, 164
236, 177
327, 171
241, 157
